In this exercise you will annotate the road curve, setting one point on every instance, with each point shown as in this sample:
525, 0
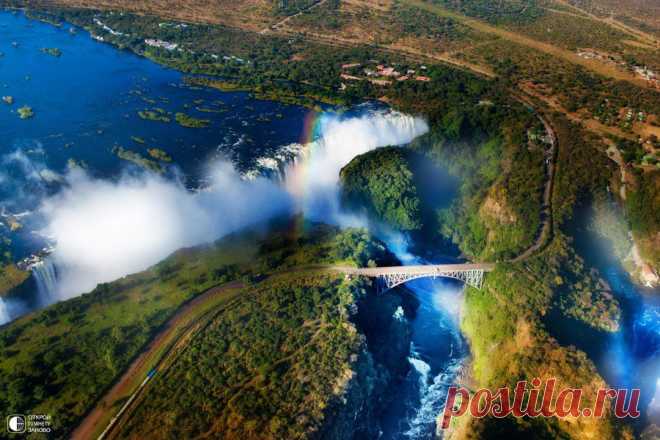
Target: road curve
90, 424
545, 231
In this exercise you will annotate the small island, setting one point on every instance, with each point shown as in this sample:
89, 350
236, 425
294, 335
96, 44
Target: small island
9, 100
188, 121
159, 154
138, 159
25, 112
157, 114
52, 51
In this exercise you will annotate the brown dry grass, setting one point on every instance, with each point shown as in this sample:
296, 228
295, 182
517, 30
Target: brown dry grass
245, 14
566, 55
646, 12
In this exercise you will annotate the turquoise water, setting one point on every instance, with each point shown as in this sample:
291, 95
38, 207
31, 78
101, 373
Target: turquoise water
86, 103
629, 358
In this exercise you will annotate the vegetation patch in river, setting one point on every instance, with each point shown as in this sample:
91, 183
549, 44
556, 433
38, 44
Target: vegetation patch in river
156, 114
189, 122
9, 100
210, 110
52, 51
25, 112
138, 159
159, 154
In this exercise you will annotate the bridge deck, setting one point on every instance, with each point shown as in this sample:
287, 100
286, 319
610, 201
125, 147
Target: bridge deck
416, 270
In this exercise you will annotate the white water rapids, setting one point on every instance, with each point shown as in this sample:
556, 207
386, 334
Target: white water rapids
437, 353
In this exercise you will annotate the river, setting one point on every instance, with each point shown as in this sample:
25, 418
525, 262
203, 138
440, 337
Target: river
86, 103
437, 353
629, 358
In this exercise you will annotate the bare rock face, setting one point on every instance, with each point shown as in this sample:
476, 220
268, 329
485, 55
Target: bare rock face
495, 208
643, 271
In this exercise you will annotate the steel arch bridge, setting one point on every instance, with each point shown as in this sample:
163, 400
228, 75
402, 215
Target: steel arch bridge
389, 277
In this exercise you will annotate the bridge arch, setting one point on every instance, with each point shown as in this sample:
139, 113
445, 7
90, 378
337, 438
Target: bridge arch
389, 277
387, 282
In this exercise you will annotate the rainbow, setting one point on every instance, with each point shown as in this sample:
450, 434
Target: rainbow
298, 177
311, 127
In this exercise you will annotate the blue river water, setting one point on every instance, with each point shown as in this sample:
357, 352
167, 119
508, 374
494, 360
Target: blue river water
630, 357
86, 103
437, 351
436, 356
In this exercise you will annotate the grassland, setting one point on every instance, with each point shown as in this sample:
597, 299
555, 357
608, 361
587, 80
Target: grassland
187, 321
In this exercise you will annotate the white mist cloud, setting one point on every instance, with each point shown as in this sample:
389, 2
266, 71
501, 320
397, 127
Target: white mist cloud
105, 230
10, 308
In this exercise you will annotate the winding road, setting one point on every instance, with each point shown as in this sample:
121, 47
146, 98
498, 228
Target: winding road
185, 322
545, 231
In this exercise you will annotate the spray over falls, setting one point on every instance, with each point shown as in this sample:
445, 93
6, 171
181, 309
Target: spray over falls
308, 183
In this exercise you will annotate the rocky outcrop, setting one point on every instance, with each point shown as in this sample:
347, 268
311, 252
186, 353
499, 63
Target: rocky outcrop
496, 209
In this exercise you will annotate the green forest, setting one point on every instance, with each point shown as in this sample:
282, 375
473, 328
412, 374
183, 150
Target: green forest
265, 368
383, 183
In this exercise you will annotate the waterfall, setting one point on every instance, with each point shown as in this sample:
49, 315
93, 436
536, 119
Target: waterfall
45, 275
4, 312
340, 139
654, 406
313, 180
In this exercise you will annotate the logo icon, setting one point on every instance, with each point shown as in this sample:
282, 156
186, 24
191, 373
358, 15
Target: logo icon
16, 424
